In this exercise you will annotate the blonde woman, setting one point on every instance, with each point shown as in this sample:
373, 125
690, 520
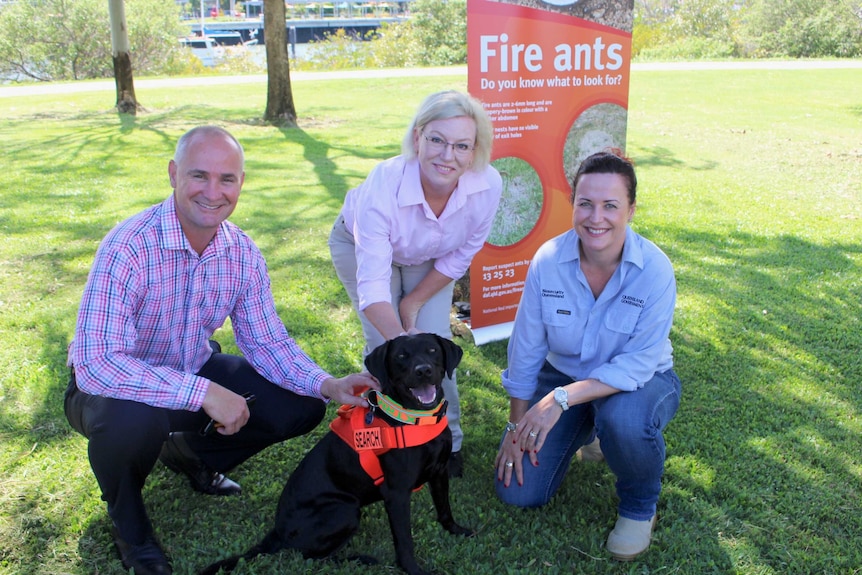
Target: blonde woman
413, 226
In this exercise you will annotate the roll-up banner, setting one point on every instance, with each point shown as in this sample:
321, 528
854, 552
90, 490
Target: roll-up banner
553, 76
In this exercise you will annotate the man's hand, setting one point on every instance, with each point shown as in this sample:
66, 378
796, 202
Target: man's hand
227, 408
344, 390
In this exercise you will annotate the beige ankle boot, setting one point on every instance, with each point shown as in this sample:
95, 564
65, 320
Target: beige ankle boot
630, 538
591, 452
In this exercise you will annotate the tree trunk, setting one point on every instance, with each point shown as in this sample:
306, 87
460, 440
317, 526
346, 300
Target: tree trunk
279, 97
120, 48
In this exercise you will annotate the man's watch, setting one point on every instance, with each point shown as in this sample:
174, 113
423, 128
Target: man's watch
561, 396
511, 427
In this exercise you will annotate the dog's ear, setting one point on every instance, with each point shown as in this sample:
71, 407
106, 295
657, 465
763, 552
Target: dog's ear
452, 354
375, 362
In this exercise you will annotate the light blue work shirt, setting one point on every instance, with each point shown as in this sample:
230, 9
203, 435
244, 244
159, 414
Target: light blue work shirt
620, 339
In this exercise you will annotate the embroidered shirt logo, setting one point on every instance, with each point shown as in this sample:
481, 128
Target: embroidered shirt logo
631, 300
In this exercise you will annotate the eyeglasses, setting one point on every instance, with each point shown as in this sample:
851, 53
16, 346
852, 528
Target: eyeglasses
438, 144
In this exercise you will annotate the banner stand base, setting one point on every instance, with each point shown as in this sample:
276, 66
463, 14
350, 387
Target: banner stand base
483, 335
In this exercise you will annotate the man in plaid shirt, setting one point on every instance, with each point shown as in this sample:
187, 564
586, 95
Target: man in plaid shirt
146, 379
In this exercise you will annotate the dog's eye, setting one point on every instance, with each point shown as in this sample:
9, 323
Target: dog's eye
401, 355
432, 350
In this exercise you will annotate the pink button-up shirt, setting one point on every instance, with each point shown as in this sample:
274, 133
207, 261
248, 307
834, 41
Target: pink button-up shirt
151, 304
393, 224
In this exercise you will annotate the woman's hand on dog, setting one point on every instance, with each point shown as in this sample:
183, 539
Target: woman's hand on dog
229, 409
346, 390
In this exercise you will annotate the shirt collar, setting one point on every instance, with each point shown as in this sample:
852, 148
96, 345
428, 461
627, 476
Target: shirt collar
173, 238
410, 192
571, 248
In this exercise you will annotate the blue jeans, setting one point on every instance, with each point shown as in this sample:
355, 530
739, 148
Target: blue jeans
629, 426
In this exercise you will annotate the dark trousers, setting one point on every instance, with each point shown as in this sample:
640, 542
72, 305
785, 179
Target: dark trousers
126, 437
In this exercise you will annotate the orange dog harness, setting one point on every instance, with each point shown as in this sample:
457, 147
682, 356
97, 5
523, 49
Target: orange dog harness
372, 436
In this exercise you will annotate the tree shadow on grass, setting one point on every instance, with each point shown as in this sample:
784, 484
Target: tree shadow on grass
299, 207
663, 157
765, 338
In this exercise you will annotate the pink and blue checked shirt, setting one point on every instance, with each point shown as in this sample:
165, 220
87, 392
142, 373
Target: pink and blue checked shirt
151, 304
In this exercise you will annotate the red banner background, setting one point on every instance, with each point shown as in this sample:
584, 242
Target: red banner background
536, 73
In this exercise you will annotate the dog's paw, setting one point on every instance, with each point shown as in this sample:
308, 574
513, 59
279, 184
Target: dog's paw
414, 570
456, 529
364, 559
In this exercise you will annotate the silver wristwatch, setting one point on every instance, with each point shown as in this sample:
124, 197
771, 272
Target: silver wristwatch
561, 396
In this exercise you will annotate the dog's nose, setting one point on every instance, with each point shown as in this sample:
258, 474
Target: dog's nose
423, 370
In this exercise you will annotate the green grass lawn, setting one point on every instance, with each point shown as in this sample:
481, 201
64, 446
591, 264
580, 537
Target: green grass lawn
750, 181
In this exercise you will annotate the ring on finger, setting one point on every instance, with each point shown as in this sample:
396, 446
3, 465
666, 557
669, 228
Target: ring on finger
509, 464
533, 434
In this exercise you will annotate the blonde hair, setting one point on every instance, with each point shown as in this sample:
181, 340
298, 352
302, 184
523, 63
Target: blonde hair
453, 104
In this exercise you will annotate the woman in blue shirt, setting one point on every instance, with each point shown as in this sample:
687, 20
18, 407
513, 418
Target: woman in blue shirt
589, 353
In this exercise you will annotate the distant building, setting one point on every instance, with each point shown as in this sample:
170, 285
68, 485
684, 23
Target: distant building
313, 8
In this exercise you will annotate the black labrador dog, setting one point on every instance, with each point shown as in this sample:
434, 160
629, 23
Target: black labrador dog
319, 508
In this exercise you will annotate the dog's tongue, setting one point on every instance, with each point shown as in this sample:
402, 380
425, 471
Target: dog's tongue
425, 394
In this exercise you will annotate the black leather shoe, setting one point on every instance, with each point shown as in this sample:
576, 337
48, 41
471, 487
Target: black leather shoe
456, 464
146, 558
179, 458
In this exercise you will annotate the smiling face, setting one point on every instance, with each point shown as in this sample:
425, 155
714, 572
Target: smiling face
411, 368
207, 179
602, 210
441, 164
